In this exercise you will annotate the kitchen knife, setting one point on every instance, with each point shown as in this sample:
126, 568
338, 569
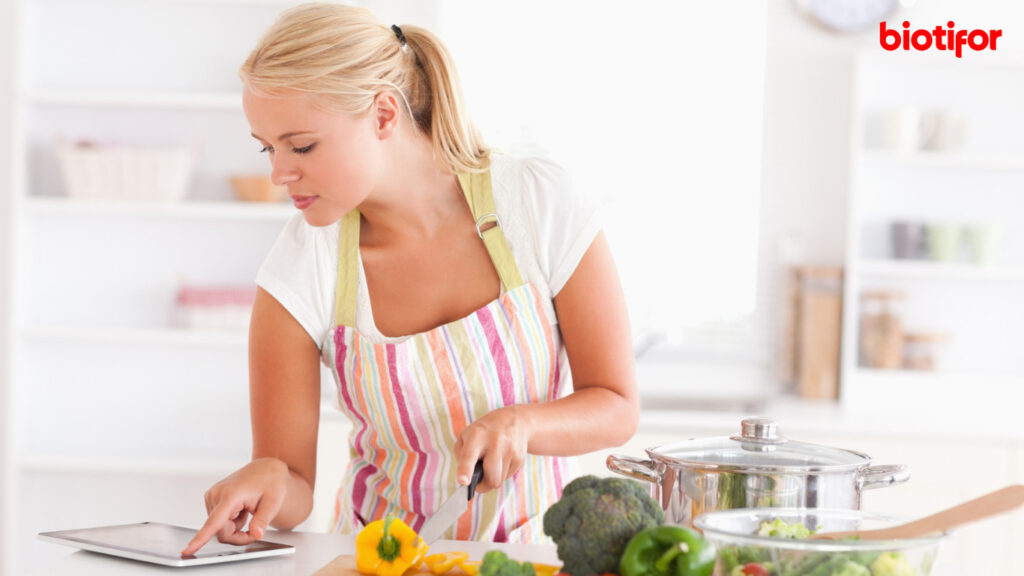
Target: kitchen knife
452, 508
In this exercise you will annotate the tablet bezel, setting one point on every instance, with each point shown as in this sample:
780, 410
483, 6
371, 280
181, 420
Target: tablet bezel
80, 538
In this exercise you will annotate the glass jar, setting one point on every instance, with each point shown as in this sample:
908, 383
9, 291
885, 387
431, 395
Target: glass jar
881, 329
923, 350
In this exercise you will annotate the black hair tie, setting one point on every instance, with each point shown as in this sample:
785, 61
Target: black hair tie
398, 34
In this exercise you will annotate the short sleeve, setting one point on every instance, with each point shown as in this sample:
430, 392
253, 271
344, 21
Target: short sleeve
300, 273
565, 222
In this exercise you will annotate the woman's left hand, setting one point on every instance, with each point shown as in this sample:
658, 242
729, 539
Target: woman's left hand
500, 439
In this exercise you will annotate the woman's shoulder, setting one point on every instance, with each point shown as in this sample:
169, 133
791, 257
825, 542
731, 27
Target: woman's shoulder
536, 173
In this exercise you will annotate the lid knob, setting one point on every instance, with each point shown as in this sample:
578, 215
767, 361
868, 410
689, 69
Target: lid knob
760, 429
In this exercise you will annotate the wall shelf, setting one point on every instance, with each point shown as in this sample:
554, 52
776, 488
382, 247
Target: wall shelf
226, 210
184, 101
944, 160
136, 336
144, 467
928, 270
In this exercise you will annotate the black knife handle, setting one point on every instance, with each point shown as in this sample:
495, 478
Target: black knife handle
478, 475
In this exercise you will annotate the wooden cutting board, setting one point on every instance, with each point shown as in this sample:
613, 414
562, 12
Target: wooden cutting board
345, 565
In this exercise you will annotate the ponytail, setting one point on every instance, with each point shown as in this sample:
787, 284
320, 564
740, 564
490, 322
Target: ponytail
440, 109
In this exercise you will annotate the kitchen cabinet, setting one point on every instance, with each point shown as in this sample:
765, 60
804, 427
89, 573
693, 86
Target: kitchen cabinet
936, 172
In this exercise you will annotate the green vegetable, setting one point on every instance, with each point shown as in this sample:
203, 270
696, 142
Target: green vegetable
595, 520
779, 529
850, 568
668, 551
732, 490
497, 563
892, 564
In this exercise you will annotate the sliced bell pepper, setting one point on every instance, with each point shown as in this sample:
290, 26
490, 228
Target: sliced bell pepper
668, 550
545, 569
471, 567
445, 561
388, 547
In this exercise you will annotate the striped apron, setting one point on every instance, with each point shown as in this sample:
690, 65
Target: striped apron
409, 401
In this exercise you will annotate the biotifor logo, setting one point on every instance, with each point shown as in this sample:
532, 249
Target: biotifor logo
948, 38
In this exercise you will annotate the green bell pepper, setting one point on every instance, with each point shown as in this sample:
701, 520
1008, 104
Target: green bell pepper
668, 550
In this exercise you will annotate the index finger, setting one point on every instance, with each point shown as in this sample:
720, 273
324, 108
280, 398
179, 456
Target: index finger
218, 516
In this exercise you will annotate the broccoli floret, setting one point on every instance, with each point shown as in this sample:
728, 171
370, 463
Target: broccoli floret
892, 564
780, 529
497, 563
850, 568
594, 521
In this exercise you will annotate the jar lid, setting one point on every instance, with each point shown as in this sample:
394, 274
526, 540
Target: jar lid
758, 446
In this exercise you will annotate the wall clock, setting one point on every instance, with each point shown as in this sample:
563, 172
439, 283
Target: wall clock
847, 15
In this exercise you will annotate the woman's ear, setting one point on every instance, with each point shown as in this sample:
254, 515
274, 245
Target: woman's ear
386, 114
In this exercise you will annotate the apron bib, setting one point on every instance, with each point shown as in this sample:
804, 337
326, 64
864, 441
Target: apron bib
408, 401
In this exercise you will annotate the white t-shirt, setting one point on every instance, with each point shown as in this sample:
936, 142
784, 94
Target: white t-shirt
547, 224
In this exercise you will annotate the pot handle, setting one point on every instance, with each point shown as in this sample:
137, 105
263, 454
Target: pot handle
634, 468
882, 476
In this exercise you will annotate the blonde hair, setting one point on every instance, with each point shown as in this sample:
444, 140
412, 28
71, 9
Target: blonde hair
344, 56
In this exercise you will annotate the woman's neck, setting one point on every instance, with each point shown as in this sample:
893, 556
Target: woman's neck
416, 198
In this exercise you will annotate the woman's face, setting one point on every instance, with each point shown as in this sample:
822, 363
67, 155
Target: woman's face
326, 160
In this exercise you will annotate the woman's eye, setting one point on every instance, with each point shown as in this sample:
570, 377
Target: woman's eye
303, 150
267, 149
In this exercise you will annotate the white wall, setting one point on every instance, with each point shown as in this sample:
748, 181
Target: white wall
8, 41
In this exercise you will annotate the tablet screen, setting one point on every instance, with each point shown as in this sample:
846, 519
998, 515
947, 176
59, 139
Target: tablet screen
160, 544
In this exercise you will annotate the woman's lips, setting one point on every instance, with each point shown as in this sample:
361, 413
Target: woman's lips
303, 202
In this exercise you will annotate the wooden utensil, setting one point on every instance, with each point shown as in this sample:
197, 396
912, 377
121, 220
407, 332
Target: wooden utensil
991, 504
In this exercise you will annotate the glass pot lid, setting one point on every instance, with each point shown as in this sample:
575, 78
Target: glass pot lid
758, 446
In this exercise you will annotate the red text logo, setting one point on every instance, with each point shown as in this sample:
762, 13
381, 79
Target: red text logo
948, 38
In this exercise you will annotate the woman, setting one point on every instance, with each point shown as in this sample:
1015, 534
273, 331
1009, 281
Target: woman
449, 288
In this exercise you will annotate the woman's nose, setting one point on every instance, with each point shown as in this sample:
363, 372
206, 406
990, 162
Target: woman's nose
282, 172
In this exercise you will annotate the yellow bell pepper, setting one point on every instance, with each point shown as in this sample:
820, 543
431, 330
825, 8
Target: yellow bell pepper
471, 567
441, 563
545, 569
388, 547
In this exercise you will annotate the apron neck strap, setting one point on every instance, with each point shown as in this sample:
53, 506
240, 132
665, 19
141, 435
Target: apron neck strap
348, 269
480, 195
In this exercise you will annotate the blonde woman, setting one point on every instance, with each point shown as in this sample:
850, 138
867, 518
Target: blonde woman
449, 287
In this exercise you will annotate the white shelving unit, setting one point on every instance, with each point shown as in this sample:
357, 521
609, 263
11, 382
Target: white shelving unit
119, 416
981, 183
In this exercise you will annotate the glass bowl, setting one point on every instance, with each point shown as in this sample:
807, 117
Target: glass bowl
734, 534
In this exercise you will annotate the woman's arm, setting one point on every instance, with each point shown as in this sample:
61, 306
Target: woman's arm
284, 395
604, 408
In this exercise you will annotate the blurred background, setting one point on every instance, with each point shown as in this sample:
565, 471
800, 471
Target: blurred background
807, 227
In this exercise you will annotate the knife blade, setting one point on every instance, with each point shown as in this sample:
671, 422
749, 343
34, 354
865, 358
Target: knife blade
452, 508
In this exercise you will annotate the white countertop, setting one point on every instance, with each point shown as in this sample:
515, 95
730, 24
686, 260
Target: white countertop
312, 552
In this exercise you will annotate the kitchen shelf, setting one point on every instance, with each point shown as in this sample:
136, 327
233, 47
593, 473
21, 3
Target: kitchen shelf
120, 465
226, 210
928, 270
185, 100
947, 160
876, 391
137, 336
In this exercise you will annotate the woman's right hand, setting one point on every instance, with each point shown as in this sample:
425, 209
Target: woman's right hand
258, 490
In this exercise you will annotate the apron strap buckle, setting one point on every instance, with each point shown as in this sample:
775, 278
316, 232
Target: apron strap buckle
483, 220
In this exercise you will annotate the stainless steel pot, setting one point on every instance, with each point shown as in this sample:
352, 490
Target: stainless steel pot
755, 469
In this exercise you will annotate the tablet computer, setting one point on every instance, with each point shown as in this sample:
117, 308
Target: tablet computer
160, 544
